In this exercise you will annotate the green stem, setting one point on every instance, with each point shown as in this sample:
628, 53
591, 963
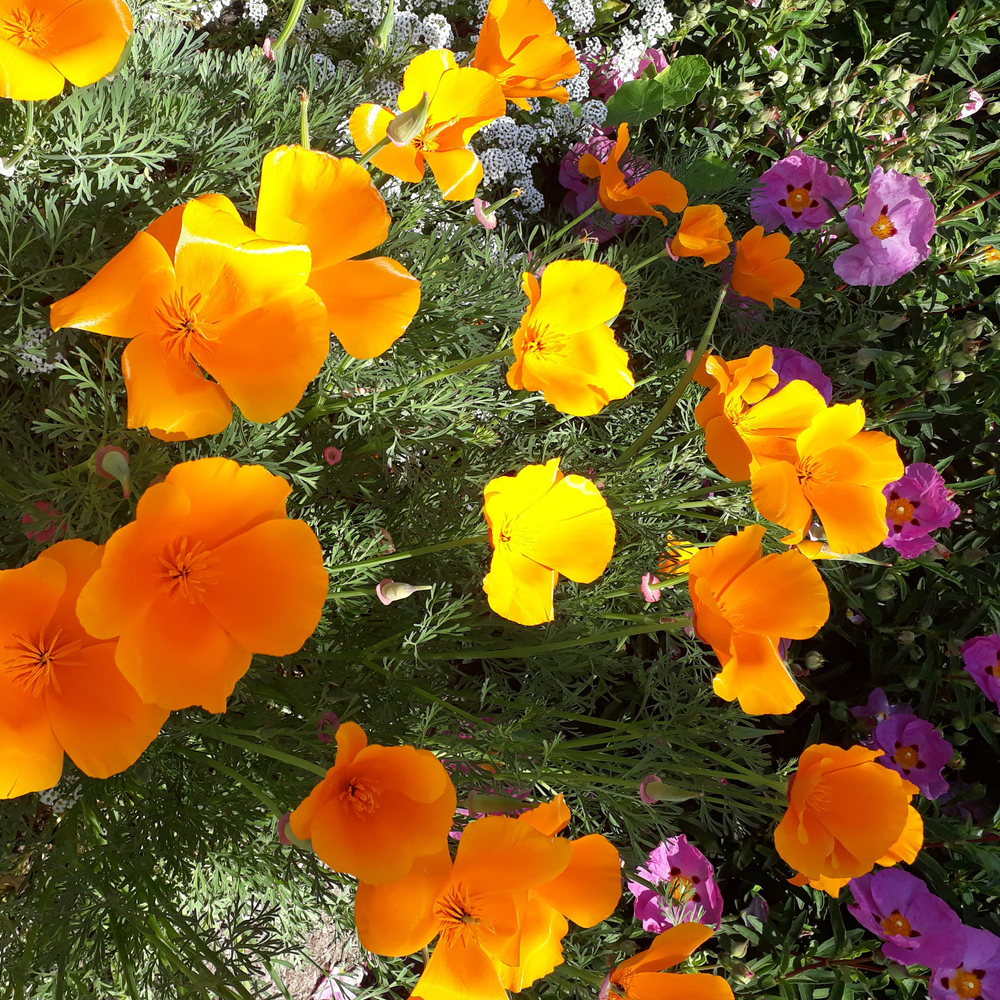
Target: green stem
29, 131
569, 225
671, 402
399, 556
643, 263
374, 150
265, 751
286, 31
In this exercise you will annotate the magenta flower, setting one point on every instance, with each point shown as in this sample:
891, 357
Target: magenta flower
969, 972
481, 210
982, 660
686, 891
918, 504
332, 455
792, 366
894, 230
797, 192
604, 79
327, 724
649, 588
51, 516
972, 105
915, 749
917, 927
877, 710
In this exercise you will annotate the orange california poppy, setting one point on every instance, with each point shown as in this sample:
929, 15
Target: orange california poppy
744, 604
641, 977
840, 471
332, 207
702, 233
199, 290
742, 421
210, 571
762, 270
462, 101
543, 523
656, 188
564, 347
500, 909
587, 892
44, 43
846, 813
377, 809
519, 47
60, 690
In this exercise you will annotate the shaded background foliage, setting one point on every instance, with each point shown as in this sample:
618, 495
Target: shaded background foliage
167, 880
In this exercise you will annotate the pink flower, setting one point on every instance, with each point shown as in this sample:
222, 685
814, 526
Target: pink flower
797, 192
487, 219
894, 230
605, 80
914, 748
650, 592
332, 455
972, 105
268, 51
643, 794
51, 515
327, 724
917, 505
981, 657
282, 826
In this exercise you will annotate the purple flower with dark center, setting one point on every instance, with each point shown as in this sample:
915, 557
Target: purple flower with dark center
917, 505
970, 971
915, 749
918, 928
981, 657
894, 230
686, 891
797, 192
877, 710
793, 366
581, 191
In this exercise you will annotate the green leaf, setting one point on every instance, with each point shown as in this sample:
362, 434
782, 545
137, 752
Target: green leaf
709, 175
682, 80
635, 102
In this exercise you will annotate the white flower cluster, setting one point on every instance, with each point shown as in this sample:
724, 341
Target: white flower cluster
30, 352
62, 797
580, 13
256, 11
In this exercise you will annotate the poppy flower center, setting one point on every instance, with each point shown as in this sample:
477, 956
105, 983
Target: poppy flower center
186, 571
896, 925
457, 915
967, 984
883, 227
23, 27
183, 328
907, 758
31, 664
359, 797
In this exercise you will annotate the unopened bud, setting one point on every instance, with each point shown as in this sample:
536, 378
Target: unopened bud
813, 660
653, 790
405, 127
388, 590
111, 462
885, 592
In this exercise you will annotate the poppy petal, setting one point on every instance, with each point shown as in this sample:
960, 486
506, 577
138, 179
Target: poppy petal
368, 126
853, 517
269, 586
833, 425
757, 677
456, 171
80, 560
369, 303
86, 39
166, 228
31, 758
466, 94
578, 295
351, 740
170, 396
659, 188
785, 414
423, 76
459, 970
678, 986
97, 716
518, 589
264, 359
910, 841
550, 817
727, 450
27, 77
542, 930
667, 949
399, 919
122, 298
175, 655
417, 774
509, 496
327, 203
778, 496
588, 889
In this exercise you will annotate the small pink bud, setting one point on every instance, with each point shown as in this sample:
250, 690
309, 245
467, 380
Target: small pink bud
282, 827
332, 455
650, 592
326, 724
487, 219
111, 462
268, 51
643, 794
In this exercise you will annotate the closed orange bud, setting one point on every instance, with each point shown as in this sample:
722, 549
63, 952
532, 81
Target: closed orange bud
702, 233
762, 270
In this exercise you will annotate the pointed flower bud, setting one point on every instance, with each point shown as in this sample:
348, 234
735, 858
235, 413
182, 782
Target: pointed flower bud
405, 127
111, 462
653, 790
388, 590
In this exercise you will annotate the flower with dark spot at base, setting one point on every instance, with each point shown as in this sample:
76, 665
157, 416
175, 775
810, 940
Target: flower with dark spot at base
969, 972
917, 504
981, 657
914, 748
797, 192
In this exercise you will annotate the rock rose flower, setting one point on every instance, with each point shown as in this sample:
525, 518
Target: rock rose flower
519, 47
210, 572
797, 192
744, 603
462, 101
565, 347
198, 292
839, 472
377, 809
702, 233
640, 198
762, 271
543, 524
846, 813
686, 891
916, 749
969, 971
894, 230
60, 690
918, 503
332, 207
44, 43
641, 977
981, 657
793, 366
917, 927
